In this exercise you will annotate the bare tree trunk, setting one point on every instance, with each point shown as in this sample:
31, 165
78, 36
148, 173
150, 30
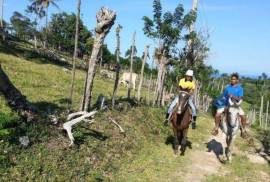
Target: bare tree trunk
46, 28
75, 52
254, 115
35, 41
155, 92
83, 96
160, 80
191, 28
163, 97
100, 58
131, 64
142, 71
105, 20
222, 86
1, 21
266, 117
261, 111
118, 29
15, 99
2, 13
163, 88
218, 86
148, 91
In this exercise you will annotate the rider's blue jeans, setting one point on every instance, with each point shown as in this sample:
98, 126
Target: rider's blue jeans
190, 102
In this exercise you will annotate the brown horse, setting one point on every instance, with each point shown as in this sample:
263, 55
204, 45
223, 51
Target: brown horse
181, 118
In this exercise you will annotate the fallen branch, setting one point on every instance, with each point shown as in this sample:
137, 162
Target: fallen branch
81, 116
121, 129
72, 115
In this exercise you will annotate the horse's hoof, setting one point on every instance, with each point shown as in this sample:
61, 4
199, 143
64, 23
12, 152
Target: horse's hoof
222, 159
183, 144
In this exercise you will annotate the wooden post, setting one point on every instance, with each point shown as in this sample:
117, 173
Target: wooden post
191, 28
266, 117
142, 71
118, 28
155, 92
2, 28
2, 14
131, 64
75, 52
261, 111
105, 20
148, 91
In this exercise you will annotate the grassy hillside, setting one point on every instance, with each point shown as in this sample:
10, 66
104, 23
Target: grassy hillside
102, 153
46, 85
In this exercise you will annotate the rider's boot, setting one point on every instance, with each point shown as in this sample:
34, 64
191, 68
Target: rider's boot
166, 121
217, 122
193, 124
243, 126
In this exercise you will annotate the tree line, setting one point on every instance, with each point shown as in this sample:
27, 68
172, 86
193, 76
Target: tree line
167, 30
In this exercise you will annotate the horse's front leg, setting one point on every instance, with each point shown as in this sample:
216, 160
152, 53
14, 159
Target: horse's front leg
228, 151
184, 141
175, 142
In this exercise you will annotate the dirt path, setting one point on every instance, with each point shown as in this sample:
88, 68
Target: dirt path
160, 163
206, 162
200, 163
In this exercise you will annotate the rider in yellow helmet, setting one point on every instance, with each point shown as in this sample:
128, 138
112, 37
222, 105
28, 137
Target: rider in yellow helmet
187, 83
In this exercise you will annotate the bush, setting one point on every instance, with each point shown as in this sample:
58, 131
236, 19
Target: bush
7, 123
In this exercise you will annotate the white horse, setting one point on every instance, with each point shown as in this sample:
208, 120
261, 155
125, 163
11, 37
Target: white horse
230, 125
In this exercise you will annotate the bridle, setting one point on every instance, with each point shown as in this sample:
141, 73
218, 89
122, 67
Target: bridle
184, 93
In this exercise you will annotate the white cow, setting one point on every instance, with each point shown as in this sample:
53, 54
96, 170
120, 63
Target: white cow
125, 79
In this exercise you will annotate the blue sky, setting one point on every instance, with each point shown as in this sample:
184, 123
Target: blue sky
239, 29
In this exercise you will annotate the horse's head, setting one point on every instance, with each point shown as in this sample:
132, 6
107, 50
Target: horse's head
182, 101
233, 113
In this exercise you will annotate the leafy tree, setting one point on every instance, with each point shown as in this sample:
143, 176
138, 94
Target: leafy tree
61, 33
22, 25
165, 30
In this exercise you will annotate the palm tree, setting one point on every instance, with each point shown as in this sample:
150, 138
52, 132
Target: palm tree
40, 7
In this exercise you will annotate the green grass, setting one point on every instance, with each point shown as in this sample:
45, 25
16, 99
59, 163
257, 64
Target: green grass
102, 153
156, 160
100, 146
242, 170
